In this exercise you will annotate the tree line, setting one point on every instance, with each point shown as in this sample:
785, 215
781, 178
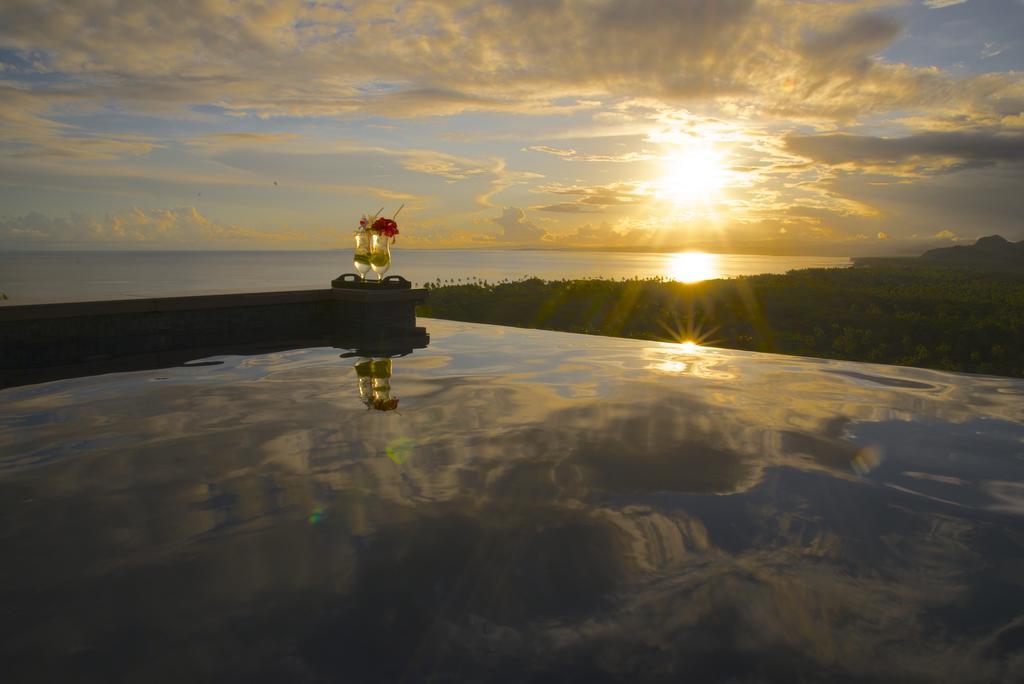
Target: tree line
959, 320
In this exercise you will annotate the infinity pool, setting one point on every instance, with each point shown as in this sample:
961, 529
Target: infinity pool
535, 506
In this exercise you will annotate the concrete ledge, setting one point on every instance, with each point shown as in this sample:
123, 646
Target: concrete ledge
27, 312
367, 296
42, 335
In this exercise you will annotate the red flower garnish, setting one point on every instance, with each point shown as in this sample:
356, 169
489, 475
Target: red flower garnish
386, 404
385, 227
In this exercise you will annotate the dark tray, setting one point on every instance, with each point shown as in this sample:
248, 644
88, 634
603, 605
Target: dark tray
351, 281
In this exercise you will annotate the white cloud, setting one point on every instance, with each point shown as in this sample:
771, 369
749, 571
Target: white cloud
992, 50
516, 229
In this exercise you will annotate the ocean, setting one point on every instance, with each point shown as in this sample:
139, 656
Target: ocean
51, 276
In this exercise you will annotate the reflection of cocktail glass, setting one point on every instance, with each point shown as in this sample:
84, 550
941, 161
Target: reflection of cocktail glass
375, 384
364, 371
361, 257
380, 255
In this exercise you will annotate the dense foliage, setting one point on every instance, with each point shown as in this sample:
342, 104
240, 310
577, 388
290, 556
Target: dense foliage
933, 318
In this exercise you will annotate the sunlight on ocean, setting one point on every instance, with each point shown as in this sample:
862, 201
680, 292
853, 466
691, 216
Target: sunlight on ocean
40, 277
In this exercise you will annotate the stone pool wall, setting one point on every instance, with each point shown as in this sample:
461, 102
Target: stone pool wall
42, 335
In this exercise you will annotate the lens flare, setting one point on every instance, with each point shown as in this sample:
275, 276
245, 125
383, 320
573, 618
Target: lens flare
317, 515
400, 449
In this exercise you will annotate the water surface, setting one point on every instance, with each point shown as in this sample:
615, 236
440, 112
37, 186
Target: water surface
540, 507
41, 277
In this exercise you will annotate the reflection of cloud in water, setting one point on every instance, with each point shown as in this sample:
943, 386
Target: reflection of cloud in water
714, 524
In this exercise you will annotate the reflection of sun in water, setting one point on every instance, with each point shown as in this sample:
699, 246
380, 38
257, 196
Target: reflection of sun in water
693, 267
692, 175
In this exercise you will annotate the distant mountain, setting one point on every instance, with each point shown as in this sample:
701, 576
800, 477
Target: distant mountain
993, 251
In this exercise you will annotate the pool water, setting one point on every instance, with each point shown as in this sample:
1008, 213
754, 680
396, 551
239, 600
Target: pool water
535, 506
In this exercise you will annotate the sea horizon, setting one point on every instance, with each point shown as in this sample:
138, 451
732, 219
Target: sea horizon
489, 248
51, 276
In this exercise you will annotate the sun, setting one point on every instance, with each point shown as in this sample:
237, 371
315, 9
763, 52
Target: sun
693, 174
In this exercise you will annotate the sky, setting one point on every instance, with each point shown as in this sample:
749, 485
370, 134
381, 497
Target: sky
774, 127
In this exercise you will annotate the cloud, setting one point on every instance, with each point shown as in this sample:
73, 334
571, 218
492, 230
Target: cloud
573, 155
609, 195
939, 4
447, 166
568, 208
243, 139
166, 99
849, 45
30, 133
972, 203
992, 50
941, 150
86, 147
181, 226
225, 179
516, 229
309, 161
604, 235
442, 58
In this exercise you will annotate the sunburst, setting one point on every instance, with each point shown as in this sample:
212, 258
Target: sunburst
693, 175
